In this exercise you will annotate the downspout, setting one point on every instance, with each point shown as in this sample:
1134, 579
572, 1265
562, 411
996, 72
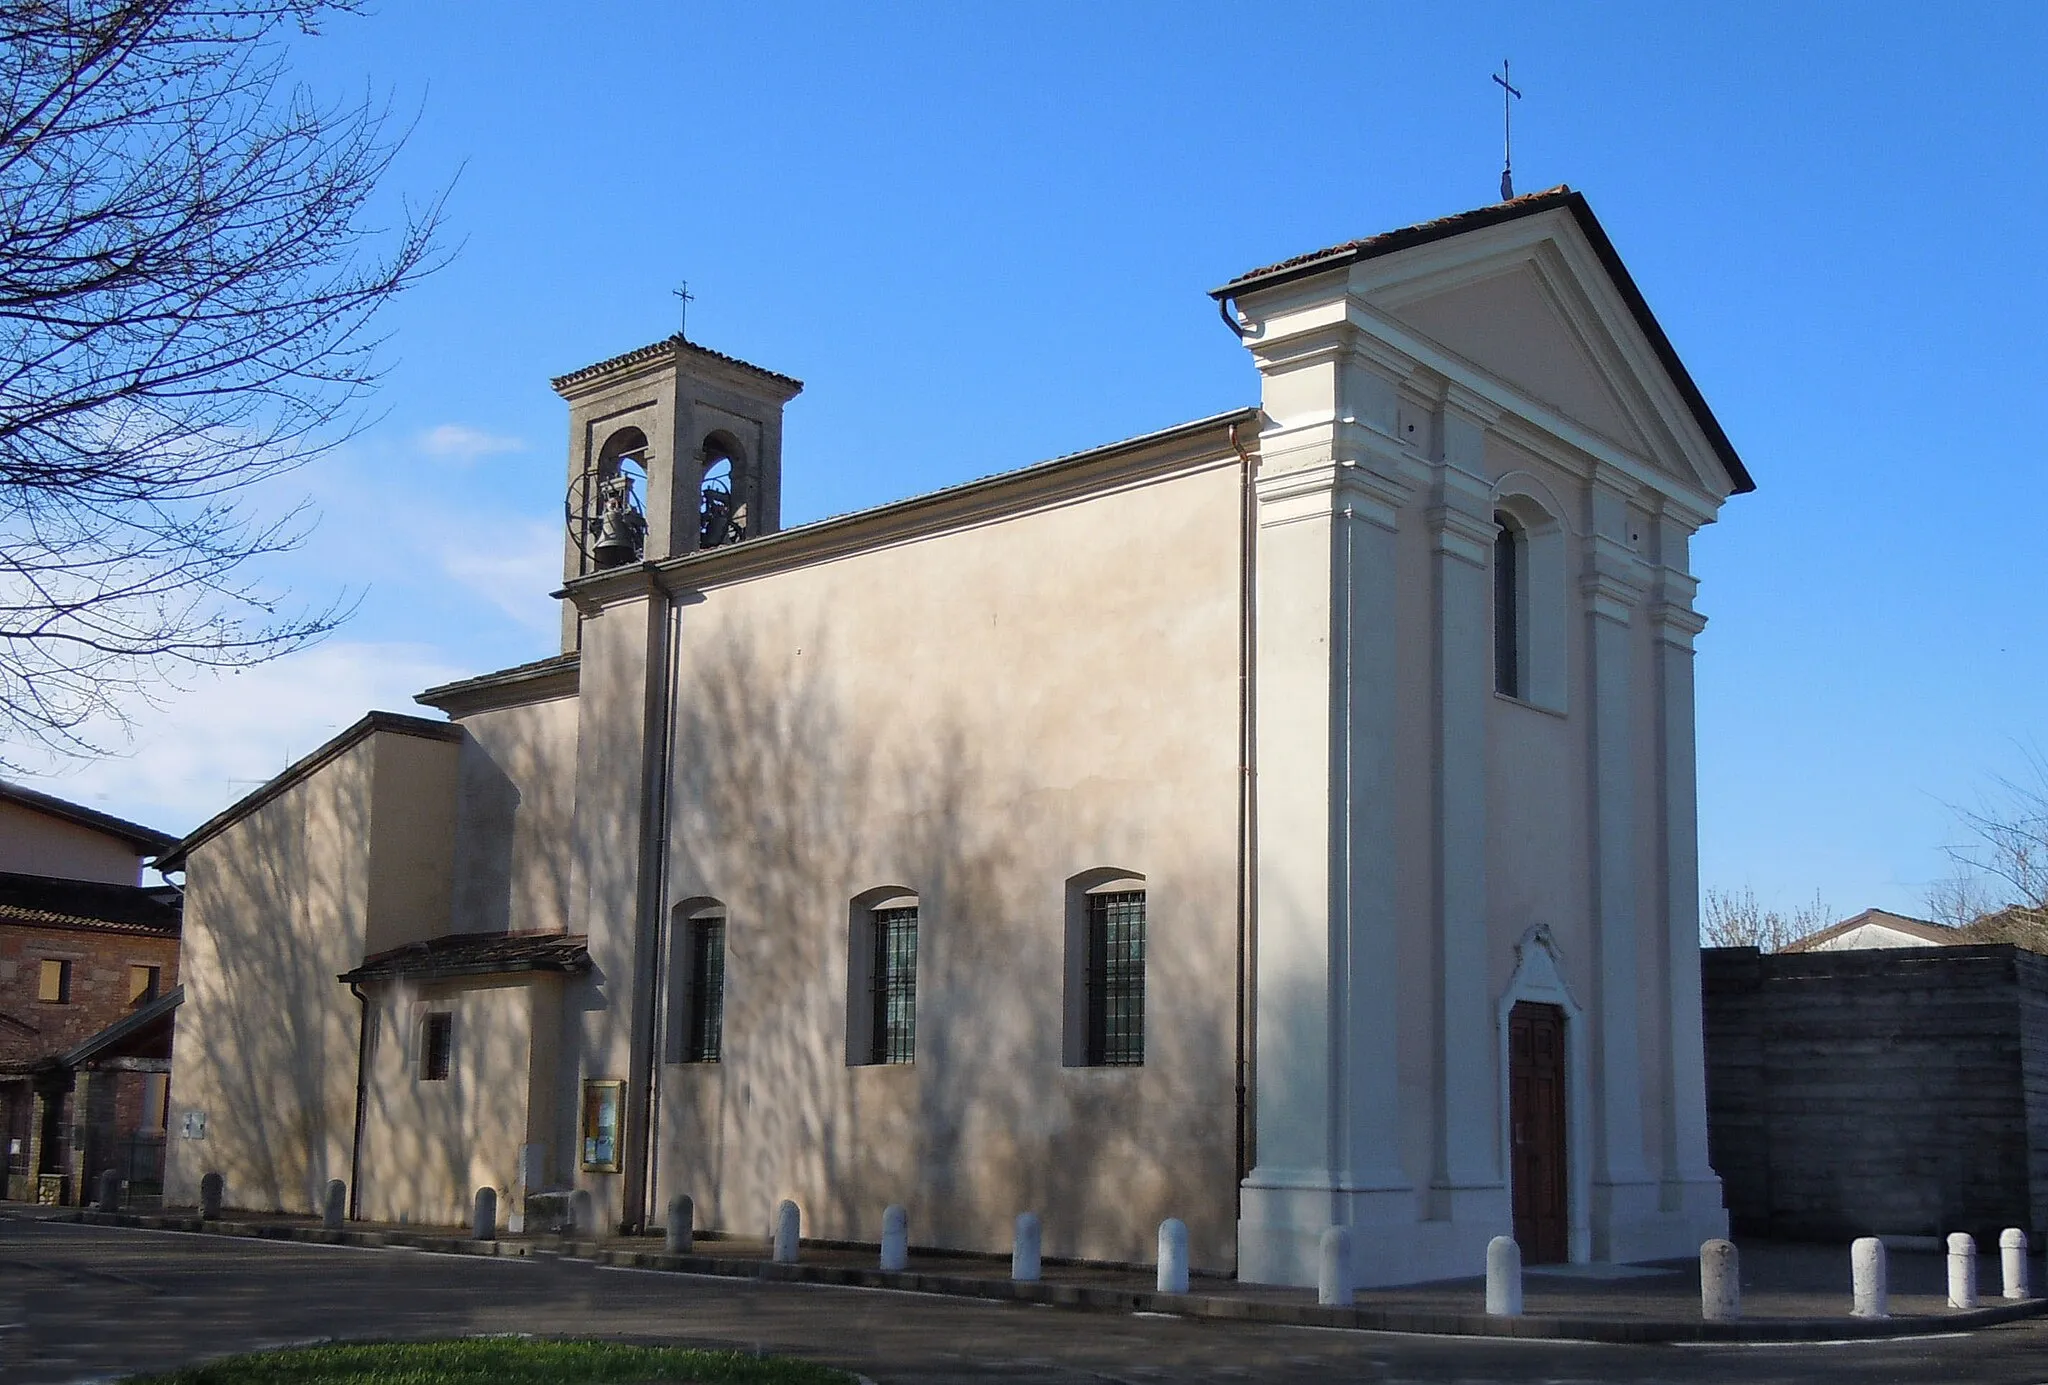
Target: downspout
355, 1148
1247, 810
655, 888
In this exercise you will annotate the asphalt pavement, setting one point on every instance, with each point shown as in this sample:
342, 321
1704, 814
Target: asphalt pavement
93, 1303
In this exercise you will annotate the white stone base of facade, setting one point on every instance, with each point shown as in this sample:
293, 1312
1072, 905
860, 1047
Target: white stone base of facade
1279, 1233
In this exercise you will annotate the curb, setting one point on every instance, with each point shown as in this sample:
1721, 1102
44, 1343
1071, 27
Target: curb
1104, 1299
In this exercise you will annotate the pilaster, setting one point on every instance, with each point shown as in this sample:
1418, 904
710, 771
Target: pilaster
1466, 1176
1613, 584
1690, 1186
1334, 486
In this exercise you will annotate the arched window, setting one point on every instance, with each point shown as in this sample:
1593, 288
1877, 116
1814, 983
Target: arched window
722, 496
1106, 945
697, 983
1510, 608
1530, 631
881, 973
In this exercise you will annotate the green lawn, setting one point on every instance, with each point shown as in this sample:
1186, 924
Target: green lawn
488, 1361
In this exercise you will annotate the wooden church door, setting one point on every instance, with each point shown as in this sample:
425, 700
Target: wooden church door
1536, 1124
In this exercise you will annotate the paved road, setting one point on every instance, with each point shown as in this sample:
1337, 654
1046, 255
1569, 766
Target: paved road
91, 1302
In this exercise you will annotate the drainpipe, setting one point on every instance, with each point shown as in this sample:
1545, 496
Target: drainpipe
355, 1148
645, 1078
1247, 810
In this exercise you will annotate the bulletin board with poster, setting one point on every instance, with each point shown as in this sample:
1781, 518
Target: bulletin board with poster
604, 1100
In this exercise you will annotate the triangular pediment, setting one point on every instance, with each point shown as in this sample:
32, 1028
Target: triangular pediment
1510, 326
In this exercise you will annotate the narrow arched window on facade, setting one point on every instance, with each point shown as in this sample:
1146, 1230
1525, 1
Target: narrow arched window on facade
1510, 581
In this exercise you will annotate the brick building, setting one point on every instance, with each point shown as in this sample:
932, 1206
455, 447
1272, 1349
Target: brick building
88, 984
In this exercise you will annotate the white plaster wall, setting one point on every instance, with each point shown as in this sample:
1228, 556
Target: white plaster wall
354, 858
976, 716
516, 802
429, 1145
34, 843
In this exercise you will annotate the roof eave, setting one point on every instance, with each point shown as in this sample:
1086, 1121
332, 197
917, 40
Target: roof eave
1535, 205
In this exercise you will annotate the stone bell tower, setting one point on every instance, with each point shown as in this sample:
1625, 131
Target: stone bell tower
672, 448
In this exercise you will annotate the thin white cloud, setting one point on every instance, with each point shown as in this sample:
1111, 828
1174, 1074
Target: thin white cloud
223, 736
513, 564
463, 445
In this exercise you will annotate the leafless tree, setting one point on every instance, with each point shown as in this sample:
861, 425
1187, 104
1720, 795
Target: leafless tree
2004, 860
189, 268
1728, 919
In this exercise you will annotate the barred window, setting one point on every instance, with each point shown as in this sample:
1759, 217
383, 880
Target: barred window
893, 982
704, 1042
1116, 978
437, 1046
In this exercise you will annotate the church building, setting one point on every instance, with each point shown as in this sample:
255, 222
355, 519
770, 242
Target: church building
1280, 820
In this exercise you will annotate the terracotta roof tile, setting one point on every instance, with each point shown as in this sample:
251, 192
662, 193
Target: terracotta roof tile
42, 901
654, 350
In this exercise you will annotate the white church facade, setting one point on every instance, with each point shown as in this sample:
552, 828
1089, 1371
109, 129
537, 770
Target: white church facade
1282, 820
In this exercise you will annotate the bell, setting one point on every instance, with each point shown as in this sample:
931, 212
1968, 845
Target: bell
618, 539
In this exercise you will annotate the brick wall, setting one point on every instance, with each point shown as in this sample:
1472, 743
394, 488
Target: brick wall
1897, 1090
99, 984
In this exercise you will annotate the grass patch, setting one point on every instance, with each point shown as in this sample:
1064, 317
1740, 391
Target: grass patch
490, 1360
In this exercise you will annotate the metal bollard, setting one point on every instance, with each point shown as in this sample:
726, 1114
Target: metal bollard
1024, 1265
681, 1232
1962, 1270
483, 1219
1173, 1256
1867, 1273
1333, 1280
2012, 1259
789, 1225
1503, 1277
211, 1189
1720, 1282
110, 1190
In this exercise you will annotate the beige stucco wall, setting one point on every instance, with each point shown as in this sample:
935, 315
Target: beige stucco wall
429, 1145
276, 907
976, 716
34, 843
516, 807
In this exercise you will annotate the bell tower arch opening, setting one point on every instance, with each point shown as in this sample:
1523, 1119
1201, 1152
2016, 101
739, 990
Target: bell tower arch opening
673, 448
725, 504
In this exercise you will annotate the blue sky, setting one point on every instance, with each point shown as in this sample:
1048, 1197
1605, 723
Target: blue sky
983, 234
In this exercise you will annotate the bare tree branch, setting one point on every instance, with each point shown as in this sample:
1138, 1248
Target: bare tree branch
1728, 919
188, 277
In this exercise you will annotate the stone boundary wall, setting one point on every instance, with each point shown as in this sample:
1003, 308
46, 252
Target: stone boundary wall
1894, 1091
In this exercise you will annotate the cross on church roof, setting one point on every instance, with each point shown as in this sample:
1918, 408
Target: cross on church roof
683, 293
1507, 130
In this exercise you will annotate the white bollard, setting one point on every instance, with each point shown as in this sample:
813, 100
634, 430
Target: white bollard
483, 1215
582, 1213
682, 1224
1173, 1256
1024, 1249
2012, 1258
1866, 1268
1962, 1270
337, 1205
1503, 1278
789, 1223
895, 1239
1720, 1282
1333, 1281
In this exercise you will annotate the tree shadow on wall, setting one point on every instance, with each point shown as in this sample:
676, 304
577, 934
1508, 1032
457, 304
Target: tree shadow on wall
799, 785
